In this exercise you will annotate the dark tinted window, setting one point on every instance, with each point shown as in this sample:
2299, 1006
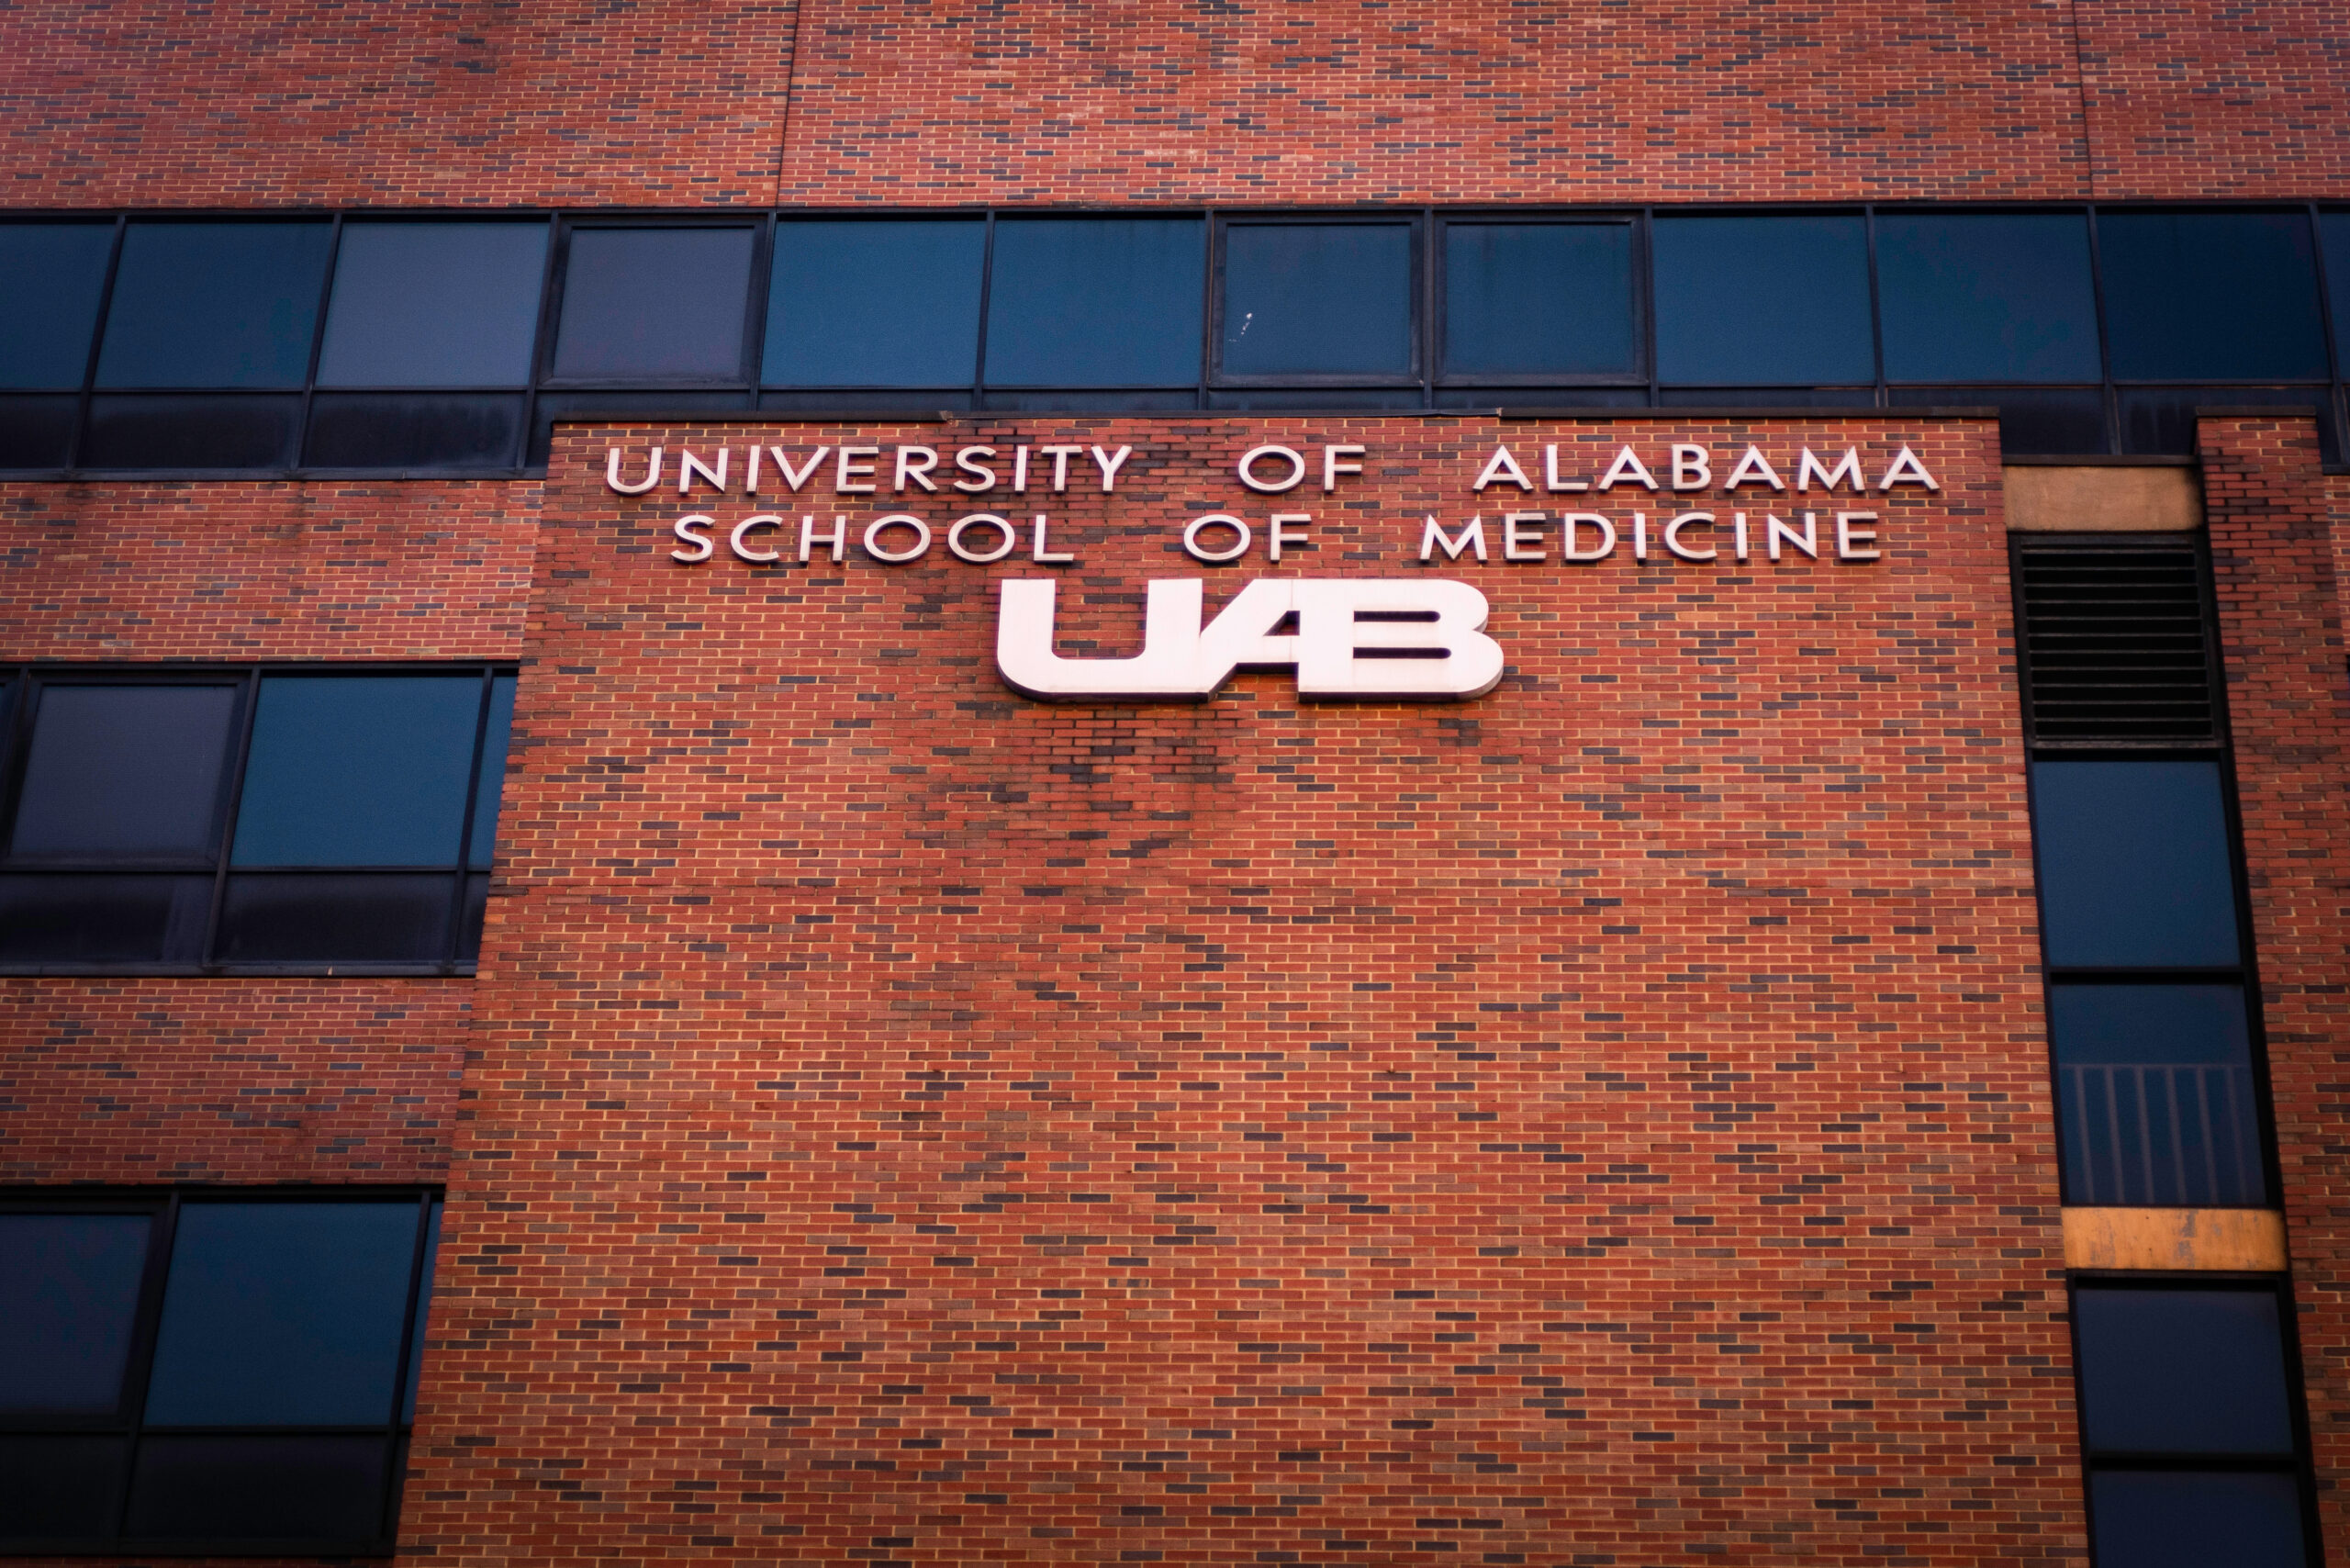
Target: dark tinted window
219, 1374
662, 304
214, 304
423, 1313
2182, 1372
1993, 296
2196, 1519
1095, 302
348, 797
875, 304
2133, 862
358, 770
434, 305
1762, 301
124, 772
1538, 299
284, 1314
2156, 1098
2335, 229
54, 273
1317, 299
492, 781
2223, 296
69, 1293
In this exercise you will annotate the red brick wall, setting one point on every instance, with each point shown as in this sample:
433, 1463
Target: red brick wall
2216, 100
1605, 1121
157, 104
911, 101
228, 571
139, 1080
140, 102
2275, 523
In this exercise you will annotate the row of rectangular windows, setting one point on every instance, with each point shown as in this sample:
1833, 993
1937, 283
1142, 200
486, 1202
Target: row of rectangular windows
249, 819
451, 344
235, 1372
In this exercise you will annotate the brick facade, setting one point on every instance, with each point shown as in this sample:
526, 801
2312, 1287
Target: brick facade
1606, 1120
142, 103
2276, 523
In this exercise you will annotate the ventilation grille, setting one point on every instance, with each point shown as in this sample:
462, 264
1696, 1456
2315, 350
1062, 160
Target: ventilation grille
2115, 645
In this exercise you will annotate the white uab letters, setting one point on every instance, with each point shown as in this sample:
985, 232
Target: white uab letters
1414, 637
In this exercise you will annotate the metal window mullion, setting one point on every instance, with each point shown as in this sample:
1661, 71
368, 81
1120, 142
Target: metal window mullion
464, 858
318, 343
542, 337
97, 342
1209, 249
388, 1501
2104, 336
1876, 309
1424, 334
145, 1330
207, 956
987, 287
1645, 262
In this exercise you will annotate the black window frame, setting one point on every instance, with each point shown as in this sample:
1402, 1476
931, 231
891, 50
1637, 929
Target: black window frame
2042, 421
19, 713
1644, 322
2244, 974
1417, 310
836, 396
128, 1420
2298, 1464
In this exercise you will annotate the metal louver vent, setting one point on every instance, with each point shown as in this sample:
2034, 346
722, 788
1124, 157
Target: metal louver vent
2116, 646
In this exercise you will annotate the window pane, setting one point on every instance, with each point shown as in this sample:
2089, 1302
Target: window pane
491, 784
1096, 302
2225, 296
2335, 232
2133, 862
71, 917
1537, 299
38, 432
57, 1487
358, 770
283, 1313
53, 274
415, 430
193, 430
258, 1488
1318, 299
360, 917
1762, 301
655, 302
423, 1309
214, 304
881, 303
2182, 1372
2189, 1520
2154, 1095
434, 305
69, 1290
1986, 297
124, 772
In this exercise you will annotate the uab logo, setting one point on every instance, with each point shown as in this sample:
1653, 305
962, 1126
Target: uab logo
1412, 638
